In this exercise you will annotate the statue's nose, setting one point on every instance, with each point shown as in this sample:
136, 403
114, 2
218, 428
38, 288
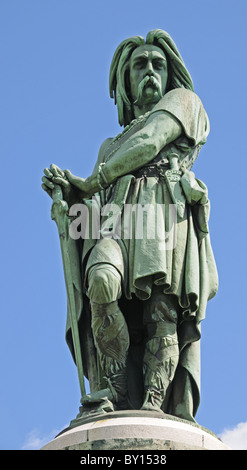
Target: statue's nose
149, 68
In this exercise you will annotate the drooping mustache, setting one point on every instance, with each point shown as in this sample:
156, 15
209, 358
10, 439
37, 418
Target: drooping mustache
148, 80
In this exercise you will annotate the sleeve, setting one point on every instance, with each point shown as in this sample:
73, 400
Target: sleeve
101, 154
188, 109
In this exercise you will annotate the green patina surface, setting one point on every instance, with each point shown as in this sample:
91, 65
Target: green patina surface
135, 303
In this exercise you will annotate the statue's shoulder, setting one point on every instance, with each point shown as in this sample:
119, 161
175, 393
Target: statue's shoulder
178, 97
188, 110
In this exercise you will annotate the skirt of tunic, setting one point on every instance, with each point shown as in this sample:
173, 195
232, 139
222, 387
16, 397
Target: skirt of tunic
159, 248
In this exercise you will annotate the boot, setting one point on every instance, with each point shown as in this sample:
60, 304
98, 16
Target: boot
153, 400
159, 366
117, 383
111, 339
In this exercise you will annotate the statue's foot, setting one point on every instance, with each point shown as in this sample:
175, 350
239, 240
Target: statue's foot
96, 403
153, 401
97, 397
150, 407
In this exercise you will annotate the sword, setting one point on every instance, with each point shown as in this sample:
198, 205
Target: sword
59, 214
172, 178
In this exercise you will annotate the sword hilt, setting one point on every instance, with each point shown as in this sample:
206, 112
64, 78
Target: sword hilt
173, 160
59, 207
57, 193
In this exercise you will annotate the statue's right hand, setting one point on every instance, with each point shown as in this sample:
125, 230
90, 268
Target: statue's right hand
55, 176
47, 184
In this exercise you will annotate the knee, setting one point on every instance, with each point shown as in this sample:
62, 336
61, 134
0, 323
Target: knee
104, 284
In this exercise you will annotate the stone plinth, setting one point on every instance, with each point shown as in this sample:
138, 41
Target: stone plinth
135, 430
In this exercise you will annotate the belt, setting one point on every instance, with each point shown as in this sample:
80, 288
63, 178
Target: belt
157, 170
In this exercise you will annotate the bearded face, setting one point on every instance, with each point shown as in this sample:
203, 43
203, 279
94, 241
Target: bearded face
148, 75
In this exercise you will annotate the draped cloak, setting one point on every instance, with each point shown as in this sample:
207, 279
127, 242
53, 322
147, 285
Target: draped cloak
185, 269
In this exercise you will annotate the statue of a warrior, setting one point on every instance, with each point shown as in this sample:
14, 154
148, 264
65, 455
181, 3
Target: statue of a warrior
138, 285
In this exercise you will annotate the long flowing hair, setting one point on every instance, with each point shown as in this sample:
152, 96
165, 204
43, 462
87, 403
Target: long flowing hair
178, 75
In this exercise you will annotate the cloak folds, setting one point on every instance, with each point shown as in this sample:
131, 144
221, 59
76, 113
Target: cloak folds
187, 270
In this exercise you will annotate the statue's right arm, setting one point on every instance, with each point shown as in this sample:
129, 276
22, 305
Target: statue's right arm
160, 129
179, 112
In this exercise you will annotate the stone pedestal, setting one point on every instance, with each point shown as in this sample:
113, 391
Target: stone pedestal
135, 430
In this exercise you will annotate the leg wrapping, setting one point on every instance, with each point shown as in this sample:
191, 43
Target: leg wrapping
111, 338
162, 351
160, 362
110, 332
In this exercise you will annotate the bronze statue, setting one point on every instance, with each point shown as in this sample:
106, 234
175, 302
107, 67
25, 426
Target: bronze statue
137, 297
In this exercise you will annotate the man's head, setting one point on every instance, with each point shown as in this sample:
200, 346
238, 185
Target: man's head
148, 75
143, 71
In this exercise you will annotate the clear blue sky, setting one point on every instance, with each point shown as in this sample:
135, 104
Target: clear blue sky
55, 108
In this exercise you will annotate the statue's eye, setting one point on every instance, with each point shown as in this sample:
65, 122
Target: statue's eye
140, 64
159, 64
